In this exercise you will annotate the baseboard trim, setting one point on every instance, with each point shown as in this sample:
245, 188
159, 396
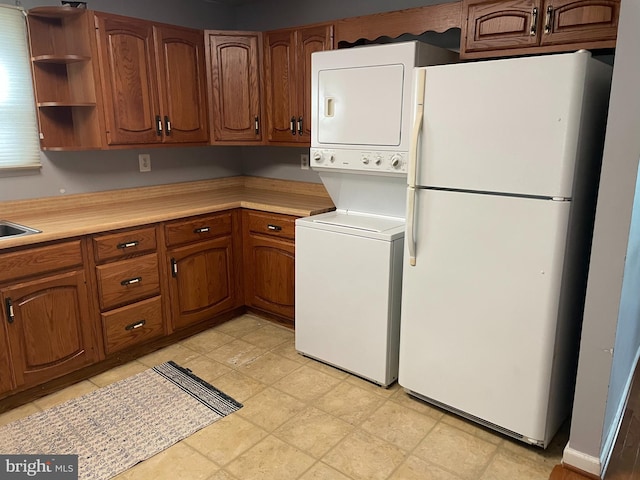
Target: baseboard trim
581, 461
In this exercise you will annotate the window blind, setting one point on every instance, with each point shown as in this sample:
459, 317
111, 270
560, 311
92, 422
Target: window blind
19, 141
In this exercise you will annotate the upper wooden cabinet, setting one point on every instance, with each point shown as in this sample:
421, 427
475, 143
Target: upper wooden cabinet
234, 81
153, 81
516, 27
288, 80
63, 58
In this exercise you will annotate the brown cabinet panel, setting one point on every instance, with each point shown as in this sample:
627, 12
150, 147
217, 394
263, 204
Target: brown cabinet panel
129, 79
270, 224
279, 83
518, 27
154, 82
234, 85
269, 263
311, 39
128, 280
196, 229
288, 80
270, 277
568, 21
202, 281
122, 244
39, 260
48, 330
132, 324
500, 24
181, 67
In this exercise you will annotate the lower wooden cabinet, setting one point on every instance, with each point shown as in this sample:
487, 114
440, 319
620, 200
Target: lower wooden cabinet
269, 263
126, 271
204, 268
48, 329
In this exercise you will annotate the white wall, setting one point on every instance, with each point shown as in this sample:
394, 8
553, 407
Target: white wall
611, 332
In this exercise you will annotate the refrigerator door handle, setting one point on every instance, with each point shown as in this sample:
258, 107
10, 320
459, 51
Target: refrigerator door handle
411, 241
413, 162
417, 125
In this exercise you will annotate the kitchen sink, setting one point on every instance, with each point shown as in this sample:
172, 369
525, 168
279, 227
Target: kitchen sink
12, 230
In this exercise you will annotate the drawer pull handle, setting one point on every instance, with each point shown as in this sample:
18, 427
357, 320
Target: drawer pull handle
9, 306
124, 245
130, 281
257, 124
275, 228
135, 325
201, 230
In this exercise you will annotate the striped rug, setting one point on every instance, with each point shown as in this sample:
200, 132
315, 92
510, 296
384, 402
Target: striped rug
115, 427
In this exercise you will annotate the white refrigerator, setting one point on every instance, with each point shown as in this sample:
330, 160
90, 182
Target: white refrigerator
501, 192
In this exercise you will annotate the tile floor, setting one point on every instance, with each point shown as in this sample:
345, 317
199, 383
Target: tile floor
304, 420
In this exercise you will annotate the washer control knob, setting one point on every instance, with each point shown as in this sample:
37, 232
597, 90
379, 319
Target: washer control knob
365, 160
317, 157
378, 159
332, 158
396, 160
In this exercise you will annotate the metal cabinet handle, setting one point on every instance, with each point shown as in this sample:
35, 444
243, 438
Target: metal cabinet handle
124, 245
130, 281
300, 126
201, 230
534, 22
167, 124
275, 228
135, 325
257, 124
158, 126
547, 23
292, 125
174, 268
9, 307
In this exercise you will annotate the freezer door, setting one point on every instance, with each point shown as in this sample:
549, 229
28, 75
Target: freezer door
506, 125
480, 308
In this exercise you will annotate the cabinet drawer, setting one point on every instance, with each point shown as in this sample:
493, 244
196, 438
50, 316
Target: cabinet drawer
39, 260
132, 324
271, 224
122, 244
127, 281
198, 228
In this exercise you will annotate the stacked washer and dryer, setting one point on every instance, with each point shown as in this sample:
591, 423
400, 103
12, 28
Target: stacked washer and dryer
349, 262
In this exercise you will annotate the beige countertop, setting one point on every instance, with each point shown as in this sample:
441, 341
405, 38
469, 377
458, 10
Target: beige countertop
82, 214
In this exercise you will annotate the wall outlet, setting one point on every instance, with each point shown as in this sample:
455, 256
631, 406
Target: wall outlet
304, 161
144, 160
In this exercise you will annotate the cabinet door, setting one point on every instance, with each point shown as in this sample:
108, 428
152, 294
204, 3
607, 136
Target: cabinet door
311, 39
499, 24
127, 65
181, 69
571, 21
270, 274
280, 86
234, 86
47, 325
202, 281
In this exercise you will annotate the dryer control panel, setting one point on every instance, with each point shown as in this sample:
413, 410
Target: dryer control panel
365, 161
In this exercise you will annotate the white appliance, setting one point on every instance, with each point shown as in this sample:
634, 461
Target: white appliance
501, 192
349, 262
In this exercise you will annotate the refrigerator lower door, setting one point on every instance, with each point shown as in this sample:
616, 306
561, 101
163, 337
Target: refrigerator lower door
480, 308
